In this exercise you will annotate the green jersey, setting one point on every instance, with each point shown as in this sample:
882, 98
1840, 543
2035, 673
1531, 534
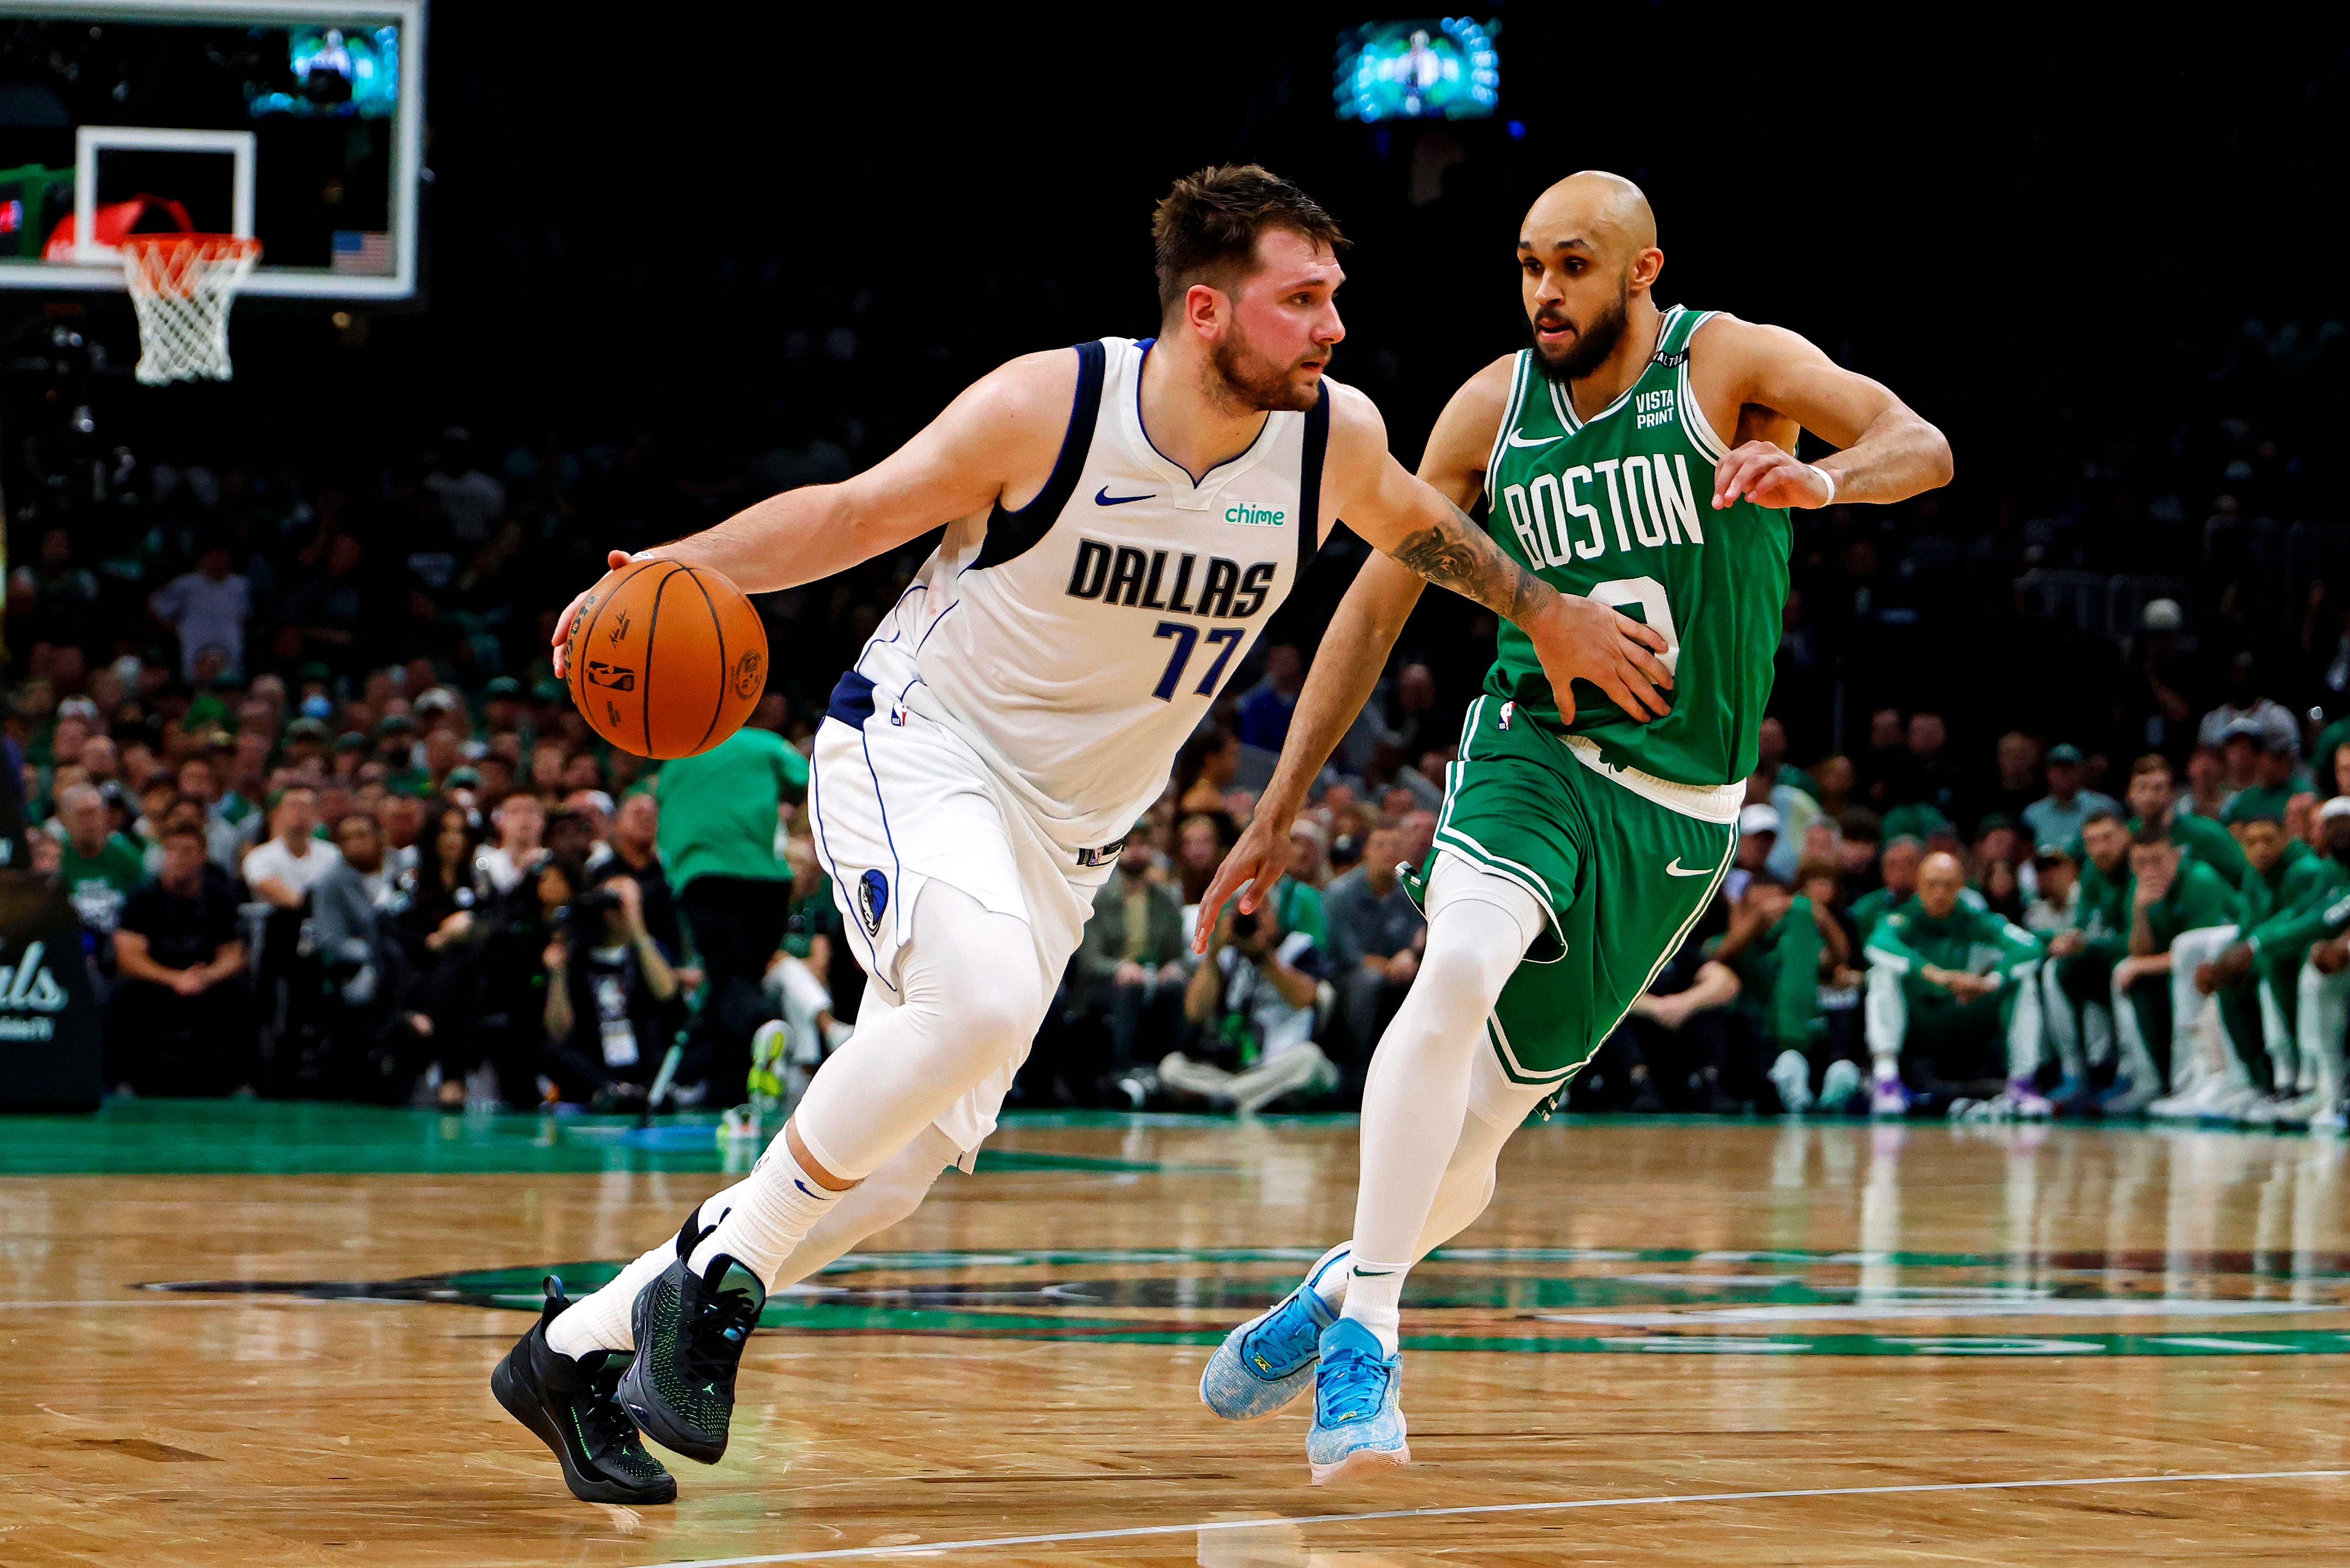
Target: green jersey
2102, 913
2199, 896
2314, 907
1618, 508
2203, 838
2264, 893
1871, 908
1908, 939
717, 808
97, 886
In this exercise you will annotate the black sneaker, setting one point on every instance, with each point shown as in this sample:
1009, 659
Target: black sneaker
690, 1329
572, 1404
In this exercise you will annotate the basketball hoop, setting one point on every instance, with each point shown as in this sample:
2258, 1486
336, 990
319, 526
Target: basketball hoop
182, 285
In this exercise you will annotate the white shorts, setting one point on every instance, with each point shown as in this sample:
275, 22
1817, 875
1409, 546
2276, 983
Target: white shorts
900, 802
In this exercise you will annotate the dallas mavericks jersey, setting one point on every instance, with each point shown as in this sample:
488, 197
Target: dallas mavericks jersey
1076, 642
1619, 508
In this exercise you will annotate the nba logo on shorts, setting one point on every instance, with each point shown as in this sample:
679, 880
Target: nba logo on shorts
1508, 710
873, 899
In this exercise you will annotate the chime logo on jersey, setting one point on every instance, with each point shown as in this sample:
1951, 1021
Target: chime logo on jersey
1558, 518
1179, 584
1249, 515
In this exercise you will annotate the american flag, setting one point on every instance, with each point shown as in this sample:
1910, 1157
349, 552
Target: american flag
367, 251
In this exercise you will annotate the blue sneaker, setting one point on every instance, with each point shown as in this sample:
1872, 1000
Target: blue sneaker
1358, 1425
1268, 1361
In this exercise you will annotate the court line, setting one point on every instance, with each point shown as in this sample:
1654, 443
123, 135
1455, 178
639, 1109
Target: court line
839, 1554
129, 1300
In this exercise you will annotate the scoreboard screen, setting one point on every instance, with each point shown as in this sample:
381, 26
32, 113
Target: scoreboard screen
1440, 69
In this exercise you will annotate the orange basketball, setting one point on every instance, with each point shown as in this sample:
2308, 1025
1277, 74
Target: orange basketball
666, 660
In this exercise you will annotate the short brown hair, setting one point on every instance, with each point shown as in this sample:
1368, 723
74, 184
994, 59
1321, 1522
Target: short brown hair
1205, 230
2152, 763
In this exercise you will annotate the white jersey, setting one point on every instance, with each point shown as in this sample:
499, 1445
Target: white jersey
1076, 643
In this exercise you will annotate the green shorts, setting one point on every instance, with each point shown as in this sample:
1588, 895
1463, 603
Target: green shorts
1622, 878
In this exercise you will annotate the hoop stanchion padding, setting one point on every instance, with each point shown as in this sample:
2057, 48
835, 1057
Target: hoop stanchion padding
182, 285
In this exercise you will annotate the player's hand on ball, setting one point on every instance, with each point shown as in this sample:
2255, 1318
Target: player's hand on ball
1768, 475
613, 561
1258, 860
1583, 639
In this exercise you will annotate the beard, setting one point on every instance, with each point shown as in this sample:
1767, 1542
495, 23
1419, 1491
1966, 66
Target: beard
1592, 344
1254, 380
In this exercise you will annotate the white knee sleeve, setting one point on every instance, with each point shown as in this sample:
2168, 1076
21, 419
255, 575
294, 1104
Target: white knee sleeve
1417, 1097
971, 1002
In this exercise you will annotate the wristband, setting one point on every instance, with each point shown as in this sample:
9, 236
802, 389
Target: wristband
1829, 479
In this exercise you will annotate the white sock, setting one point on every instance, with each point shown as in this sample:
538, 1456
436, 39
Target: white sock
1416, 1098
873, 1205
870, 1103
601, 1321
1328, 1277
766, 1216
1375, 1300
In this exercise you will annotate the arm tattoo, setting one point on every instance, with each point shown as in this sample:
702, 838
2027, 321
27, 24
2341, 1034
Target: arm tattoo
1460, 555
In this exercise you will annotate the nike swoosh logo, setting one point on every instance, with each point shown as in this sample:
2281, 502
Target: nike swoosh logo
1678, 870
1514, 441
1373, 1273
1102, 497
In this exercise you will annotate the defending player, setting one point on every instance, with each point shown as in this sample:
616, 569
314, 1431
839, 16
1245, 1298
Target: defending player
1579, 840
1121, 520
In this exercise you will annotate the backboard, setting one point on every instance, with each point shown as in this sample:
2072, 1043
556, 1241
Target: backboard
297, 122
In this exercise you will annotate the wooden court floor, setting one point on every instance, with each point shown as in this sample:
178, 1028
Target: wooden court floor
1668, 1342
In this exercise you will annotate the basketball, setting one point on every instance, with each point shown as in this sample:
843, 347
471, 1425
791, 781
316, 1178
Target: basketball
666, 660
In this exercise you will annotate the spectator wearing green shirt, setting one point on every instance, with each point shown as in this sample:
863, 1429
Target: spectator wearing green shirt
2326, 760
718, 817
1787, 951
2076, 986
2277, 775
2289, 948
2259, 1016
2154, 800
98, 867
1946, 986
2182, 915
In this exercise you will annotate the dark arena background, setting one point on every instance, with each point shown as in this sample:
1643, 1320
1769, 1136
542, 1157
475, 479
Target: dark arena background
534, 285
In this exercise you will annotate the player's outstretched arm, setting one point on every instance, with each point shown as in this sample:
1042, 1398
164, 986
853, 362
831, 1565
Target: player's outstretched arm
1574, 639
1360, 636
1885, 451
996, 441
1353, 651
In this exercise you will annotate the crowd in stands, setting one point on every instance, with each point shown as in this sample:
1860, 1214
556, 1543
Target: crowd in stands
289, 737
391, 888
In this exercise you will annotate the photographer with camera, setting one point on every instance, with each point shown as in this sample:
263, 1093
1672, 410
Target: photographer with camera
1251, 1002
611, 996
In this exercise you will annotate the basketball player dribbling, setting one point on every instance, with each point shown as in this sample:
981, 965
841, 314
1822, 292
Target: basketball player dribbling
1578, 842
1122, 520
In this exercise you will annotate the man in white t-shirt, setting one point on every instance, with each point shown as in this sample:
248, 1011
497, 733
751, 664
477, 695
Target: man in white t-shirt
207, 608
283, 870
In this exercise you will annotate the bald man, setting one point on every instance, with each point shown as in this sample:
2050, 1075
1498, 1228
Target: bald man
1952, 989
1636, 456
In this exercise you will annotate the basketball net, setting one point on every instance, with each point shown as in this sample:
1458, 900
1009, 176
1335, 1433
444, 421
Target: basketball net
182, 285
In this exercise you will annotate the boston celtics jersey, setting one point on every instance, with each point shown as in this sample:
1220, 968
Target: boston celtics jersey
1618, 508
